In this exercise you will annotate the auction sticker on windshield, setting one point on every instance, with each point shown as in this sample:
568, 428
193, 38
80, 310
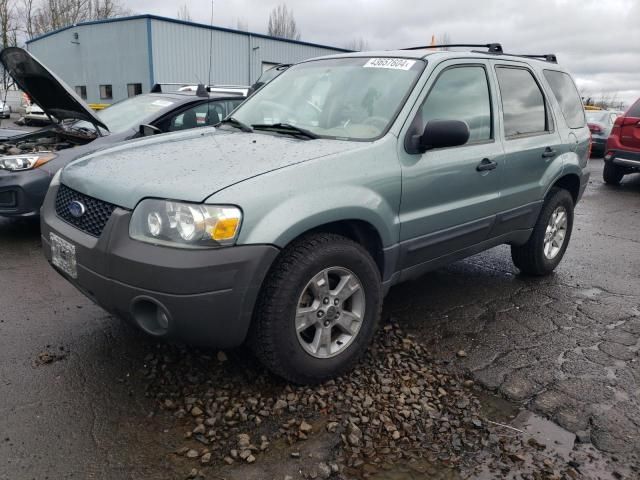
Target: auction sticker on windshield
393, 63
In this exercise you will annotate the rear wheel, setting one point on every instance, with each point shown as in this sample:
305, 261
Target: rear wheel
612, 174
550, 237
318, 309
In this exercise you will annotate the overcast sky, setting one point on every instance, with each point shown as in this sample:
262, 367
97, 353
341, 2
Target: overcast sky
598, 40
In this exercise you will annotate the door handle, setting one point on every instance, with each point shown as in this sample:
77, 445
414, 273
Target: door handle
548, 153
486, 165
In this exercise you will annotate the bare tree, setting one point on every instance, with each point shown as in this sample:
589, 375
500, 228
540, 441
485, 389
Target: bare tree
26, 17
357, 45
101, 9
282, 24
184, 14
9, 29
42, 16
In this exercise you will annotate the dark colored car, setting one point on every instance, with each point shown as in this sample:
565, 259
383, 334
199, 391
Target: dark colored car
28, 162
600, 123
623, 146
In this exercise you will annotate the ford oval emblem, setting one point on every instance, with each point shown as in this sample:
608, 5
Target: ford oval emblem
77, 209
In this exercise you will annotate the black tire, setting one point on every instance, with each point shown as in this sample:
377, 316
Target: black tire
273, 337
612, 174
530, 257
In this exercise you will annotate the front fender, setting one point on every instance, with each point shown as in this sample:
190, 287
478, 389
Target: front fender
364, 184
309, 210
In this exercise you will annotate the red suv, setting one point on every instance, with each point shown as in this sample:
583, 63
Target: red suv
623, 146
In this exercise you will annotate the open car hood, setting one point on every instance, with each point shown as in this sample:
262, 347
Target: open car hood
45, 88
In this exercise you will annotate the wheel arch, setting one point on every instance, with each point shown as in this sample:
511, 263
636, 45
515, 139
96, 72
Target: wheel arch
569, 182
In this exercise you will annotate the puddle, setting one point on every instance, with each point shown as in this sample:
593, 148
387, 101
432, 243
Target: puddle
590, 293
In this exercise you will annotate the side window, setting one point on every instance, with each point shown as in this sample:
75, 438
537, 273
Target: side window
202, 115
567, 95
522, 102
634, 111
461, 93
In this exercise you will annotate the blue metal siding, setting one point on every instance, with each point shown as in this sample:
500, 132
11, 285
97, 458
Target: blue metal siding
146, 49
105, 54
181, 53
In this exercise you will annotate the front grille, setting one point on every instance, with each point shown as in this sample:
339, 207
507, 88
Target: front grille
97, 212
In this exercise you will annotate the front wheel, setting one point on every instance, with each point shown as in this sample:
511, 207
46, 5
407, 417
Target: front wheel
318, 309
612, 174
550, 237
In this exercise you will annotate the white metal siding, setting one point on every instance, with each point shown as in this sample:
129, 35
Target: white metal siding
106, 54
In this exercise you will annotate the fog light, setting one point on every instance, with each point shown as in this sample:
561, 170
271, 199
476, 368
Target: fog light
154, 224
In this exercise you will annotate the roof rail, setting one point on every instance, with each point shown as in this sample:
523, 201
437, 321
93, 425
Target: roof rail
157, 87
491, 47
494, 48
200, 89
547, 57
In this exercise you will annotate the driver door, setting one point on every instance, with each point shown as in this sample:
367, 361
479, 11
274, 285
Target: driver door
450, 195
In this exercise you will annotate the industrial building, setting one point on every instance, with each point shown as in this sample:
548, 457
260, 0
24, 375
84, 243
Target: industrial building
109, 60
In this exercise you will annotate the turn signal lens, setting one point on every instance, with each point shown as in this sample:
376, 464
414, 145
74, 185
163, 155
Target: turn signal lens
225, 229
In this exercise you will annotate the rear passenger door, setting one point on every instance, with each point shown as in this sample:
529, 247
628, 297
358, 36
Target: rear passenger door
531, 145
448, 203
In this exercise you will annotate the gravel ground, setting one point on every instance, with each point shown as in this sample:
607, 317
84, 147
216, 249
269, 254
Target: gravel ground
477, 373
400, 409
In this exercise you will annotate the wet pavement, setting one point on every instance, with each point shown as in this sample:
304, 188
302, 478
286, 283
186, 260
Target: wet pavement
73, 390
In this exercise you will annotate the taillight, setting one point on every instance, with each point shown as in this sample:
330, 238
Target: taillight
593, 128
616, 126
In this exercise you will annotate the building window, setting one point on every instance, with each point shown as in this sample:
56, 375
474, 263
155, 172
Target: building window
106, 92
134, 89
81, 90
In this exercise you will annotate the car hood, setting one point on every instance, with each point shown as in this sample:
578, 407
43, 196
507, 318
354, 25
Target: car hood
190, 165
45, 88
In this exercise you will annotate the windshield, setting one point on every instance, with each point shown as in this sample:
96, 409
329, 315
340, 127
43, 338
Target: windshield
346, 98
129, 113
597, 116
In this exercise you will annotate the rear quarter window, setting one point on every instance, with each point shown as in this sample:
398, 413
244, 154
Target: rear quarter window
634, 111
567, 96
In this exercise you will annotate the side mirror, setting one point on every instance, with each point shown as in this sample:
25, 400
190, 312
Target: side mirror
149, 130
440, 134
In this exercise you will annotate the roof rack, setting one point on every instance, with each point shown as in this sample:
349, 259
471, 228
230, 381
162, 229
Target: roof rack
491, 47
201, 89
494, 48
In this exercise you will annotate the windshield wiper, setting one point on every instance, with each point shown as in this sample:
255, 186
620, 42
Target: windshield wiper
234, 122
285, 128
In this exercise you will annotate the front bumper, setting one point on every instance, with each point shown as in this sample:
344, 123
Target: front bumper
22, 193
207, 295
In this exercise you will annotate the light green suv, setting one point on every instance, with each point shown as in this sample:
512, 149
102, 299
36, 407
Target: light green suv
286, 224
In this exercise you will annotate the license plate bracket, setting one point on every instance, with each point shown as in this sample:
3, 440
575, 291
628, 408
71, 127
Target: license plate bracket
63, 255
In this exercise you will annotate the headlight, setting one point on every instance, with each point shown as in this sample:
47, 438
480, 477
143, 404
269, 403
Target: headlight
16, 163
187, 225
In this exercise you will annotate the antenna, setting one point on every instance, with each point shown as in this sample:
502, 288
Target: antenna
211, 45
